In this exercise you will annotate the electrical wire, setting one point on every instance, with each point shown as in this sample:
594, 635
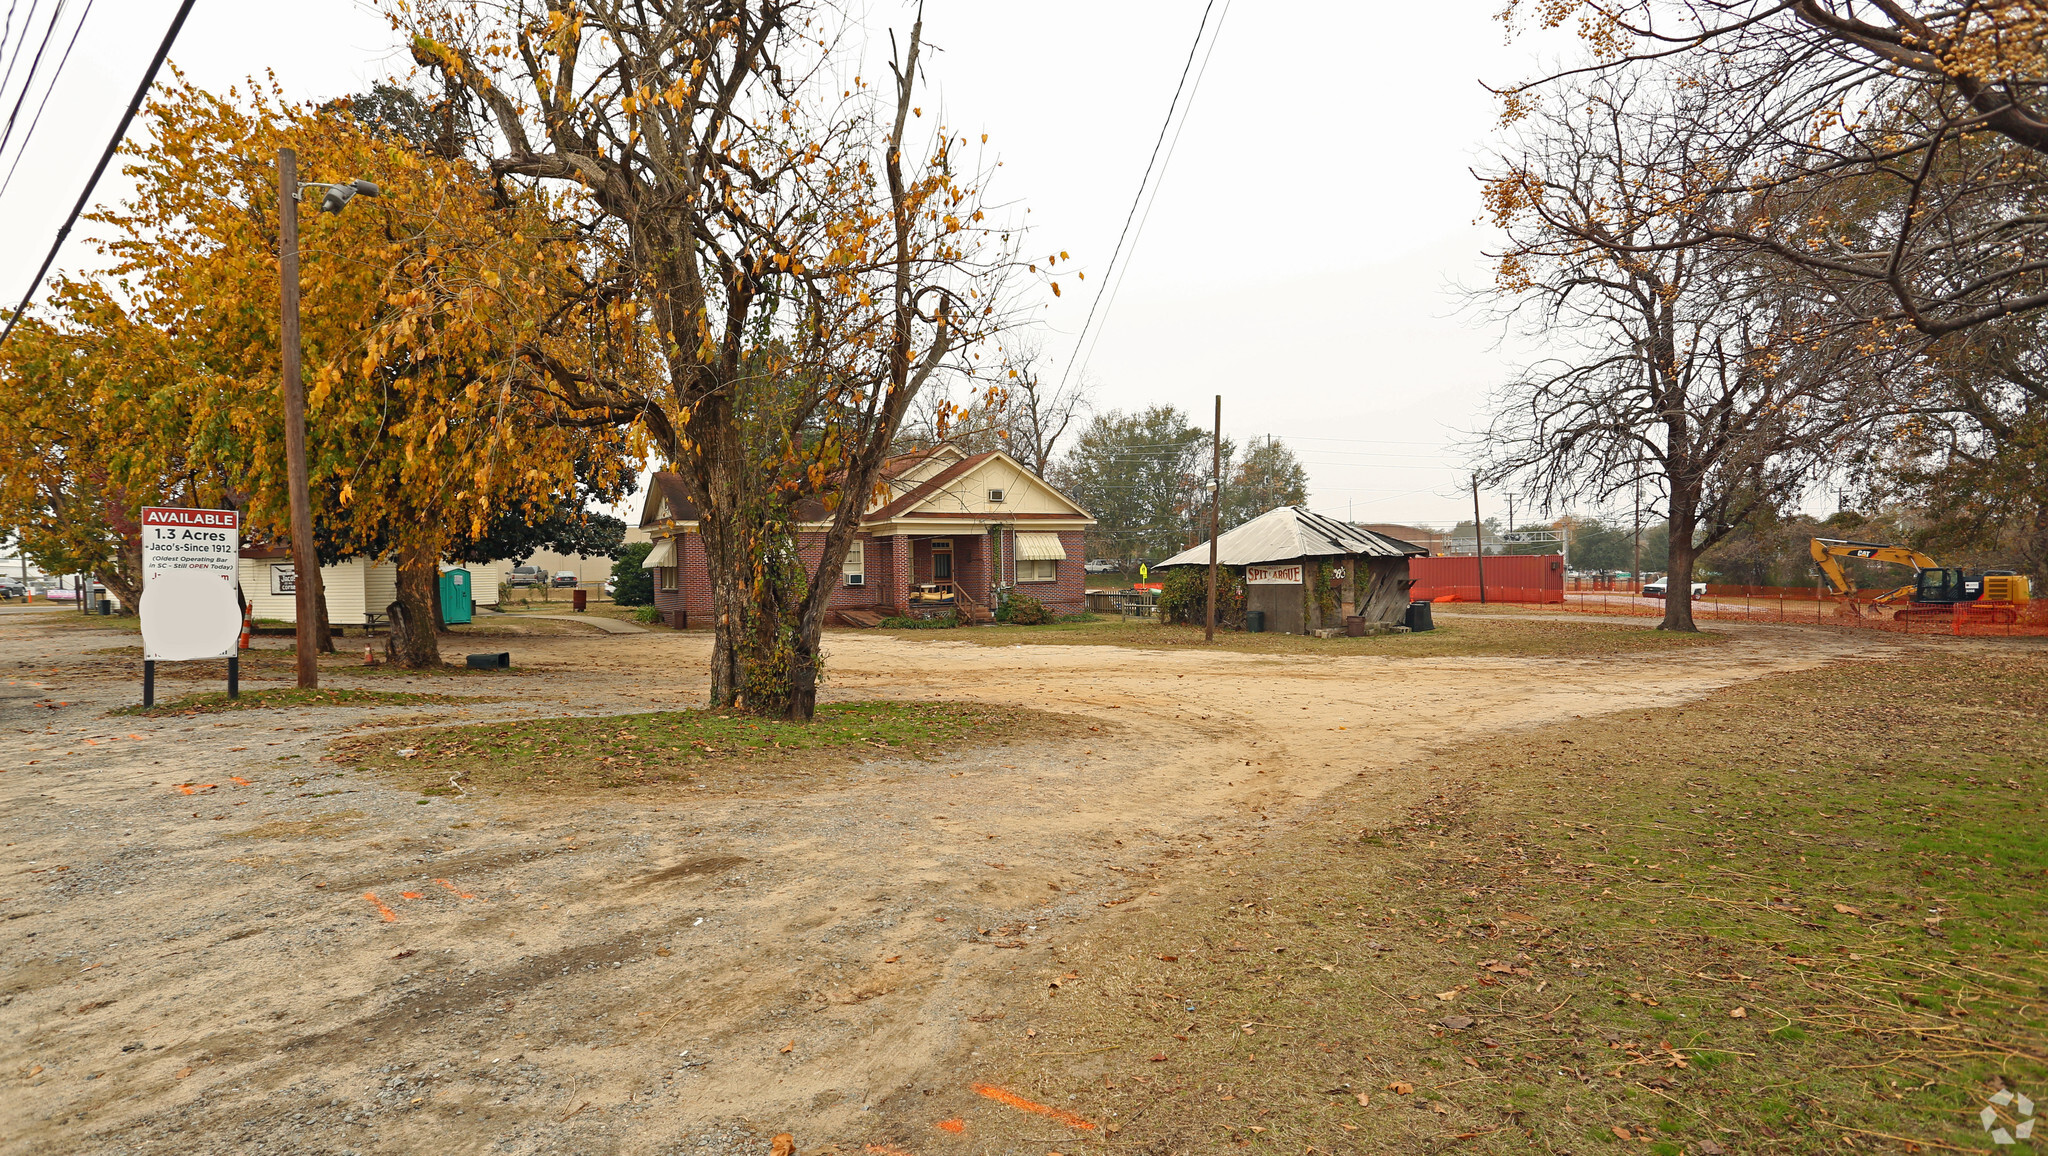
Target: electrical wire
55, 76
106, 156
1139, 197
35, 64
7, 77
1109, 301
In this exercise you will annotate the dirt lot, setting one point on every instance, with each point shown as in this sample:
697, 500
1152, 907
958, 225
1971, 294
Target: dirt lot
355, 967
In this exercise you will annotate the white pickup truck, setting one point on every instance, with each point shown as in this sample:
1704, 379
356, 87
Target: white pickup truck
1656, 589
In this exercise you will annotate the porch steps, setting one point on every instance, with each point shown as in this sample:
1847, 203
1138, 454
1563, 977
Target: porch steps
866, 619
974, 614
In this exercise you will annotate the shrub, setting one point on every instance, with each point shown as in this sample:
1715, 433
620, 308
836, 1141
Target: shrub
1184, 597
1022, 610
632, 586
647, 614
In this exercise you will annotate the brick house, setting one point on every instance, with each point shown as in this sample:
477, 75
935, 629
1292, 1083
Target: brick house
949, 534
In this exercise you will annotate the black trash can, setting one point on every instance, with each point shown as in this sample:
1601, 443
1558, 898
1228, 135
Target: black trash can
1418, 616
1255, 621
500, 661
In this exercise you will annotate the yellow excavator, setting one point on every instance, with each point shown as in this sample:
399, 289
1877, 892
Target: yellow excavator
1936, 591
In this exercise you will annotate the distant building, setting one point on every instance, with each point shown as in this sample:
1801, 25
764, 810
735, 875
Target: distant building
1281, 554
1431, 541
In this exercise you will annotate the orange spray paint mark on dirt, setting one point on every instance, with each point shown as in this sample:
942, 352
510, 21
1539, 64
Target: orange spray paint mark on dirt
238, 781
189, 788
1018, 1102
956, 1124
410, 895
459, 891
389, 915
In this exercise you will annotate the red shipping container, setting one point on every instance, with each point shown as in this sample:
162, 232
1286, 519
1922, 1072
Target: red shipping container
1537, 578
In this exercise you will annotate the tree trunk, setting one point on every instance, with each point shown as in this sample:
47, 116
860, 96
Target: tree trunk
440, 615
323, 630
1679, 557
412, 643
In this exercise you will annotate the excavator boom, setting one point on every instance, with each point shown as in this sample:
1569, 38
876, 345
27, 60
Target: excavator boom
1825, 551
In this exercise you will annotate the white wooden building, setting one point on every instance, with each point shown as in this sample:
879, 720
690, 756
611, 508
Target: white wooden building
356, 587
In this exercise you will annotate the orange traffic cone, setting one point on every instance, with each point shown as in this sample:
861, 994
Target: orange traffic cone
248, 627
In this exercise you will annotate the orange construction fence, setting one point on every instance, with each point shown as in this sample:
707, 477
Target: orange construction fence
1795, 606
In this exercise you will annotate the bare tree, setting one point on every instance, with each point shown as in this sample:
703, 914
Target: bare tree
1018, 412
791, 265
1710, 381
1892, 152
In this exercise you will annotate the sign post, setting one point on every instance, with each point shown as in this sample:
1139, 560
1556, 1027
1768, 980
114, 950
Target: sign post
190, 606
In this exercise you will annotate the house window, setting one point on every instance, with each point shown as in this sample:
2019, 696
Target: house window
1037, 570
668, 577
856, 559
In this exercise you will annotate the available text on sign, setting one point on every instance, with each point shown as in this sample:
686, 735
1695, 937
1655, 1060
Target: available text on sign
1273, 575
189, 564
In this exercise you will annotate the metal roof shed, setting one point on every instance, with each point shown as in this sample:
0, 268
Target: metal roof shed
1280, 554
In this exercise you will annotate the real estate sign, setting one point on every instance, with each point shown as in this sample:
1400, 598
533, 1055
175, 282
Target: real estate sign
1289, 575
189, 563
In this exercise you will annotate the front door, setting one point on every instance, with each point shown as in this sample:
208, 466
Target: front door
942, 561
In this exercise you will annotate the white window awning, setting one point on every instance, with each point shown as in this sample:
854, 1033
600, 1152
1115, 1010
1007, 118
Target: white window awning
663, 554
1040, 547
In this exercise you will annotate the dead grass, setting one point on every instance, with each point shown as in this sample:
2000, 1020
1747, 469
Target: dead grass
1804, 915
1453, 637
691, 750
292, 697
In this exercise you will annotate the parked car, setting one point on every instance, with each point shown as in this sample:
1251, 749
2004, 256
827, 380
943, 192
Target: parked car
13, 588
1099, 566
611, 587
1656, 589
527, 576
565, 579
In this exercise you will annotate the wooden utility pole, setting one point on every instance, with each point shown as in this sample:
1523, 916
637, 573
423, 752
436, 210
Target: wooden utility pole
1215, 501
1478, 540
305, 563
1635, 566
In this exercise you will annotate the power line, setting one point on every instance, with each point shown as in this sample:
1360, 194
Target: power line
113, 145
1139, 198
1152, 202
55, 76
35, 64
7, 77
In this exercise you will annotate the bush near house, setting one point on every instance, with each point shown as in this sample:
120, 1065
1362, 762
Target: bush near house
1019, 609
1184, 597
632, 586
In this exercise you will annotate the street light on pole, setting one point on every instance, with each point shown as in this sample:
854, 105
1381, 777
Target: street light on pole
306, 587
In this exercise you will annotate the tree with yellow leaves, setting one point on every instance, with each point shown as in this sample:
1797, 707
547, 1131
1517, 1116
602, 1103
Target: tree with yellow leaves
424, 310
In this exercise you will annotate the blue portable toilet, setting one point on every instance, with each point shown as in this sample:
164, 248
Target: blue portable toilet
456, 606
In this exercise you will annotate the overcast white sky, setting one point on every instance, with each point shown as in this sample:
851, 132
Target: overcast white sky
1298, 258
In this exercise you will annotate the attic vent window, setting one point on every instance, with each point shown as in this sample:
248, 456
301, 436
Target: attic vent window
995, 495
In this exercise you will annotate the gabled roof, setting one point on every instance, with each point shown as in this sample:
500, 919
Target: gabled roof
916, 479
669, 488
932, 485
1290, 532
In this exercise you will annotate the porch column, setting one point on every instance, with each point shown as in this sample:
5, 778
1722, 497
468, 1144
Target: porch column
897, 594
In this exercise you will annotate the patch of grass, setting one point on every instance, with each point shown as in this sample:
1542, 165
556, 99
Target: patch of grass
1453, 637
288, 697
692, 749
947, 622
1552, 950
